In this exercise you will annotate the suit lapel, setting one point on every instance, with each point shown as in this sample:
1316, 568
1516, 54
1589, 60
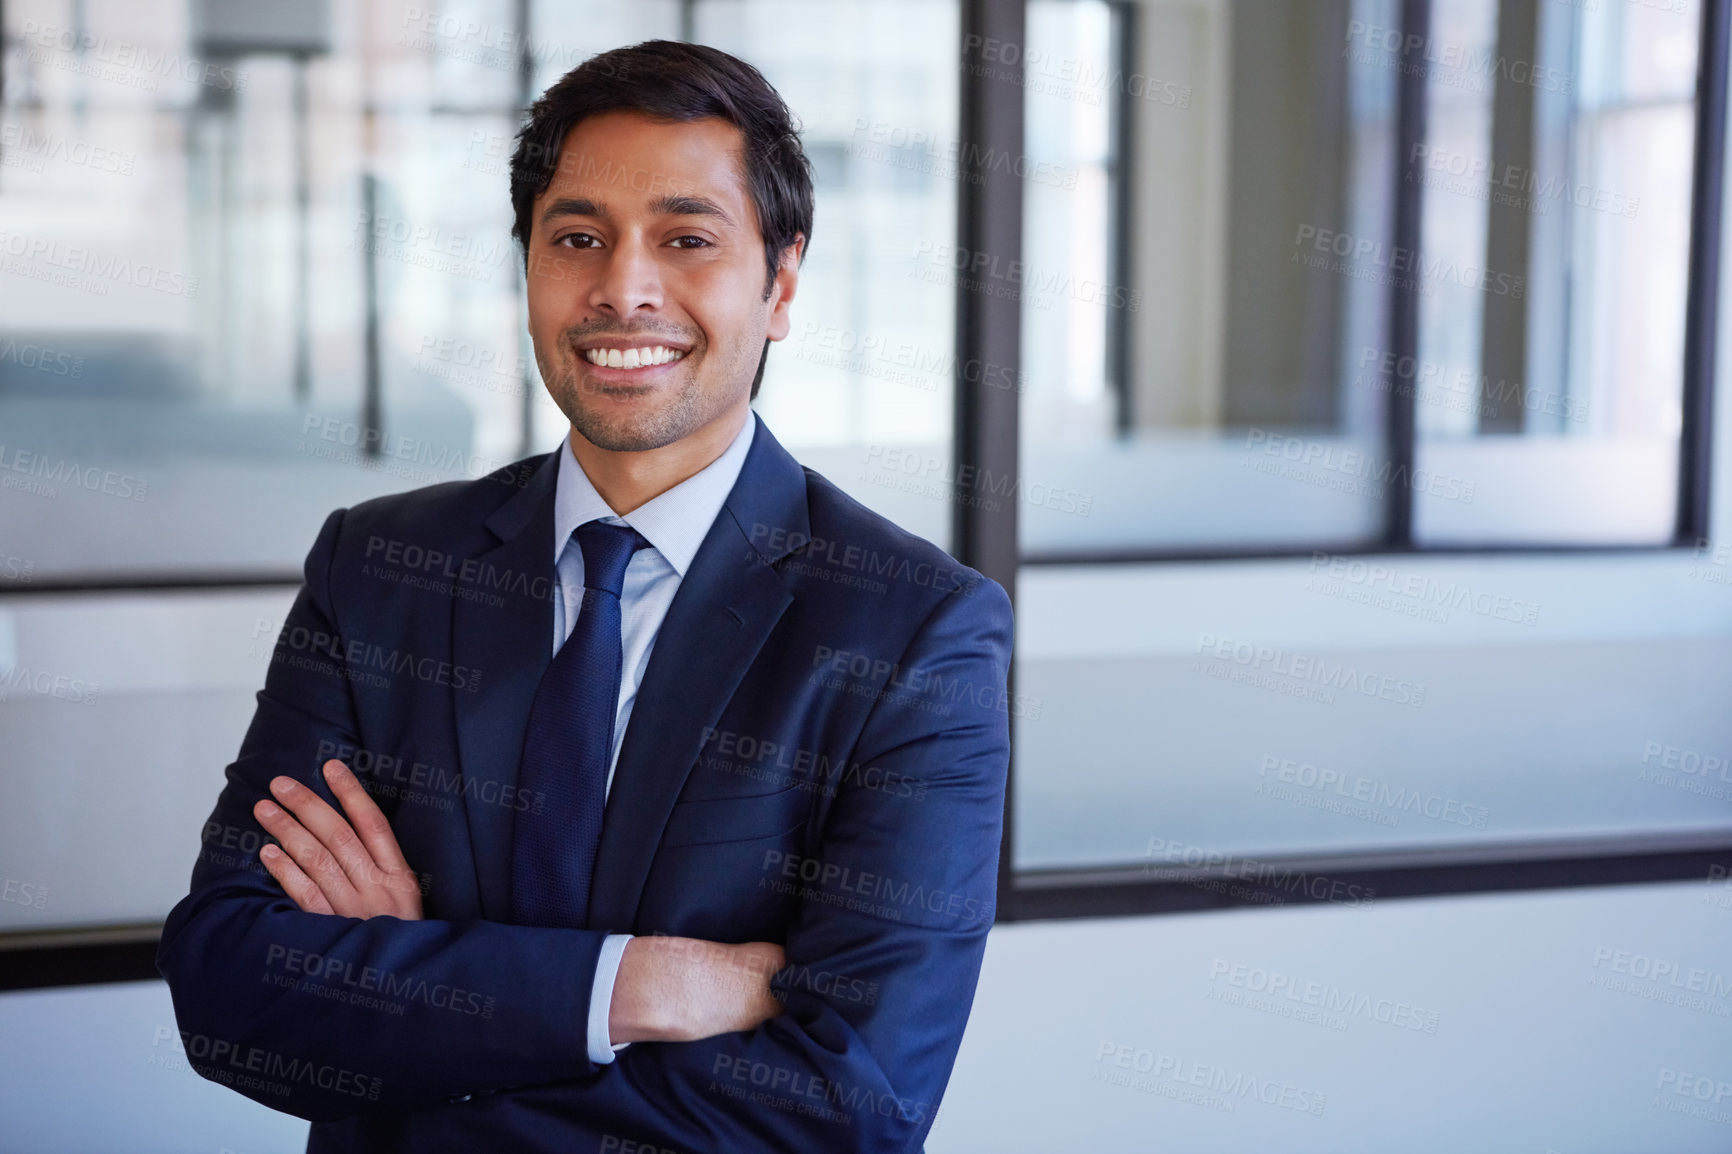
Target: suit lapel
727, 604
510, 646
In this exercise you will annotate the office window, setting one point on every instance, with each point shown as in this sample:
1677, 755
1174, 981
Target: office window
255, 264
1554, 383
1251, 195
258, 263
1180, 335
861, 389
1208, 324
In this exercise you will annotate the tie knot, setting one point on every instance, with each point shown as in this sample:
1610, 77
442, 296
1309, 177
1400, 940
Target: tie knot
607, 550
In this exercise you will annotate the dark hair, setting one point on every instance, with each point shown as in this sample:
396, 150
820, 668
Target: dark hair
670, 80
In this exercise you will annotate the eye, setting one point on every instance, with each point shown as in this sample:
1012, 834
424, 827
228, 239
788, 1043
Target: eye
697, 242
587, 240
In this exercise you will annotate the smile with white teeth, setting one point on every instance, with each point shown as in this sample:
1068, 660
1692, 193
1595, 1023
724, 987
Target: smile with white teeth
632, 358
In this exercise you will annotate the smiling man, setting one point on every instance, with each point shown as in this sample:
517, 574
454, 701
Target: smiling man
643, 796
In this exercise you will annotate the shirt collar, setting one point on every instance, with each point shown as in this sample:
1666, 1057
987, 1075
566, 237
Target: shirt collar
675, 523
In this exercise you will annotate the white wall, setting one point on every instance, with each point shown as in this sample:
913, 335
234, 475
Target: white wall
1529, 1038
1534, 1049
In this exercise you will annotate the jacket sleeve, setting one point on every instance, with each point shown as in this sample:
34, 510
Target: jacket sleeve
327, 1017
896, 901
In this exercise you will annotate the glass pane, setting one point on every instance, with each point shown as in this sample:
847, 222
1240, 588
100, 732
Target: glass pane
861, 389
1191, 325
256, 271
1335, 705
1470, 704
159, 418
1553, 382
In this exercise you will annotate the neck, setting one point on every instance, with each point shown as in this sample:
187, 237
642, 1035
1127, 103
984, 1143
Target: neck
628, 480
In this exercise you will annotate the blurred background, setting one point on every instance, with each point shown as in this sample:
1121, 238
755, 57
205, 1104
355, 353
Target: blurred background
1337, 399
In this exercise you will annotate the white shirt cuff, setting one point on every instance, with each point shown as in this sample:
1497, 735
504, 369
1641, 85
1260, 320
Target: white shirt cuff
601, 1048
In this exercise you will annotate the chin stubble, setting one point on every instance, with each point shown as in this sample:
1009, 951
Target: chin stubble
682, 412
679, 414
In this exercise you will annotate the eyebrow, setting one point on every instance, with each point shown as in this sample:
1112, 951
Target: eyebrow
688, 206
661, 205
571, 206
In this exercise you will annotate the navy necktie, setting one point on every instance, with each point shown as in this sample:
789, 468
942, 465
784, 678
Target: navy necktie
569, 744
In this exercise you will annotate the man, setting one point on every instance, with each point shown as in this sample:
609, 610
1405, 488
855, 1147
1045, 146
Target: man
646, 796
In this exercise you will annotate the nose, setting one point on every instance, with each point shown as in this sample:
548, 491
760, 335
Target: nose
630, 279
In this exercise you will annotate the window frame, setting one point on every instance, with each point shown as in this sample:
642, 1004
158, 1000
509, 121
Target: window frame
989, 218
1690, 525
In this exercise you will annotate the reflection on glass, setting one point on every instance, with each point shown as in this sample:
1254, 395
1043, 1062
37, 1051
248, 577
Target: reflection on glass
1233, 169
274, 275
296, 291
861, 388
1332, 702
1559, 160
1204, 274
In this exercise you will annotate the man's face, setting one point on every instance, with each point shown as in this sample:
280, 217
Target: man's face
646, 281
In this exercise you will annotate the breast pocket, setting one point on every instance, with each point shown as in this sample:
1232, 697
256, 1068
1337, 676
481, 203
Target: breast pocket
714, 821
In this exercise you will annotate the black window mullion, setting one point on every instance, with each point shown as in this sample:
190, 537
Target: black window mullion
988, 326
1701, 309
1410, 128
1120, 136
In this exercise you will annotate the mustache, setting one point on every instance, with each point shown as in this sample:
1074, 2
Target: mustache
583, 332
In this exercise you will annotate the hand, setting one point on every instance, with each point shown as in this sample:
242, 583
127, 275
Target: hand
684, 989
322, 863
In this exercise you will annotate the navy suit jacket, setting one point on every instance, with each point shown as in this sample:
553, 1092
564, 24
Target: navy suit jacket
817, 757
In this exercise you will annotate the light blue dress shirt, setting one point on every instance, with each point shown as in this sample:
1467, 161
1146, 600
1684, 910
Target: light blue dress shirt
675, 524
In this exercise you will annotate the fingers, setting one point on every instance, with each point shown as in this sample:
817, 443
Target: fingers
296, 884
307, 851
370, 824
333, 833
328, 853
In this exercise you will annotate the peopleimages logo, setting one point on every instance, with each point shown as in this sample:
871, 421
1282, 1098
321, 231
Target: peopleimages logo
867, 892
324, 970
42, 359
1443, 58
1462, 391
1354, 787
236, 1064
362, 661
1511, 184
954, 159
1225, 1087
802, 1092
1375, 577
38, 474
1324, 996
1357, 256
1306, 669
1346, 470
810, 769
985, 271
122, 61
1663, 980
24, 894
20, 141
916, 687
1694, 1095
1068, 77
88, 270
1212, 869
833, 554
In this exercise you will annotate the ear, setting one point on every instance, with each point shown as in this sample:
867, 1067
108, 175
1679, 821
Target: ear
782, 293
